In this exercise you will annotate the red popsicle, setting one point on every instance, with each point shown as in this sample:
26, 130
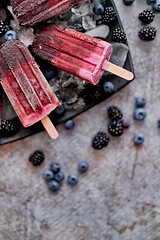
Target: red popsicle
32, 12
76, 53
28, 91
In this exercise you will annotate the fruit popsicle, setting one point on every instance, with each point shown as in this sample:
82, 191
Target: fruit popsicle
28, 91
32, 12
76, 53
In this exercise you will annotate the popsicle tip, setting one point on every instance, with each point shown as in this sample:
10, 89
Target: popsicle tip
50, 128
128, 75
55, 135
131, 76
119, 71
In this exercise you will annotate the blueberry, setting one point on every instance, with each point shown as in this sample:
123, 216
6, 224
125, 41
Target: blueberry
59, 176
98, 9
151, 1
50, 73
73, 178
11, 35
83, 166
48, 174
128, 2
53, 185
159, 123
69, 124
55, 167
108, 87
139, 114
140, 101
156, 6
126, 122
138, 138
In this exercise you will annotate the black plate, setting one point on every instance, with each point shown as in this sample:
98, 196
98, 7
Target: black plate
119, 83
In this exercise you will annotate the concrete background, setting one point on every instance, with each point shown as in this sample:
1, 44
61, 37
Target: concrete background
119, 197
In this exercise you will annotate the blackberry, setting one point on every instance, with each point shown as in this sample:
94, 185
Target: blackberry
109, 16
92, 93
3, 28
100, 140
114, 113
8, 128
118, 35
147, 16
36, 158
115, 128
147, 33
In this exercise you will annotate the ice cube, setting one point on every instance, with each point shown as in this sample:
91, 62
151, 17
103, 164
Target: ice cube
88, 22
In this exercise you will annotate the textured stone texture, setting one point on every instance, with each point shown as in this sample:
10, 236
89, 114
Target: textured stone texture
119, 197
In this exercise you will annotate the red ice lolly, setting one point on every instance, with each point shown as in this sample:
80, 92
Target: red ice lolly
76, 53
32, 12
28, 91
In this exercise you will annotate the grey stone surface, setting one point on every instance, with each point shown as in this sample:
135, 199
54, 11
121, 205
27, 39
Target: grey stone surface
119, 197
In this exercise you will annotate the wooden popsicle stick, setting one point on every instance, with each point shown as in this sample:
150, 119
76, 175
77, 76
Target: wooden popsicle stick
50, 128
121, 72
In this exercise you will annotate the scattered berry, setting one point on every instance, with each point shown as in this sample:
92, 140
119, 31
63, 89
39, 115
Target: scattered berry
118, 35
59, 176
151, 1
114, 113
128, 2
156, 6
100, 140
48, 174
55, 167
37, 158
83, 166
3, 28
115, 128
159, 123
73, 178
140, 101
126, 122
109, 16
50, 73
147, 16
108, 87
8, 128
147, 33
69, 124
139, 114
138, 138
11, 35
53, 185
93, 93
98, 9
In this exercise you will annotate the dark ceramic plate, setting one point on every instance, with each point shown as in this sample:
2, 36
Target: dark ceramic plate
59, 116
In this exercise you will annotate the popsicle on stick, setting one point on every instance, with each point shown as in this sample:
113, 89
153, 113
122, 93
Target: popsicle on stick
28, 91
76, 53
32, 12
